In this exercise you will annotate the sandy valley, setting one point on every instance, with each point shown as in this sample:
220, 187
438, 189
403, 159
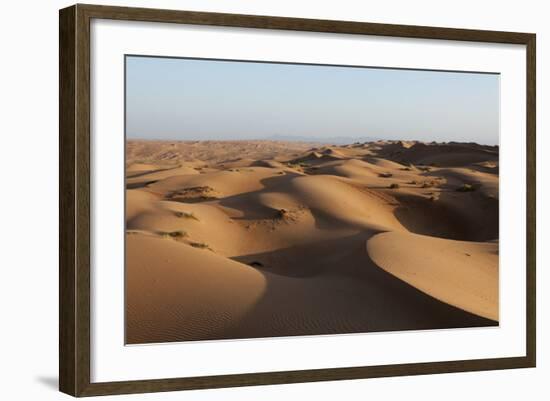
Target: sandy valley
245, 239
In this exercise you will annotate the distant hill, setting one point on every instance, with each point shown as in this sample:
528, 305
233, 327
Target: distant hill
340, 140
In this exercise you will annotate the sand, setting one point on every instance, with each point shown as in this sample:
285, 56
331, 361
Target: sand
250, 239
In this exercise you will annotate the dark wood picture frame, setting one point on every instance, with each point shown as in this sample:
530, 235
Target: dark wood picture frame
74, 203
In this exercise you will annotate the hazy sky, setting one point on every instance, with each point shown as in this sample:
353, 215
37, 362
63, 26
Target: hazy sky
182, 99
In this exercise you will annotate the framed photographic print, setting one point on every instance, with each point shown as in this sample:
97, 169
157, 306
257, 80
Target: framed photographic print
252, 200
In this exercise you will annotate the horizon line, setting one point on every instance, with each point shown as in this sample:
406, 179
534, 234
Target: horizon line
306, 141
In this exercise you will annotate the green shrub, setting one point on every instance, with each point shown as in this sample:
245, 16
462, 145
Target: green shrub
466, 188
282, 213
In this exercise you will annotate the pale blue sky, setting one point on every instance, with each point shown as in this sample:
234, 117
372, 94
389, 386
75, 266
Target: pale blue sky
191, 99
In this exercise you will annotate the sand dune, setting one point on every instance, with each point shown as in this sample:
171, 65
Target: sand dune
448, 154
163, 273
468, 279
254, 239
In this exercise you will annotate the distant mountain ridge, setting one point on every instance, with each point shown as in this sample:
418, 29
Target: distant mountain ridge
340, 140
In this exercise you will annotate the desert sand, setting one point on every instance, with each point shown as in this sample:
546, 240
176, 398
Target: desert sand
247, 239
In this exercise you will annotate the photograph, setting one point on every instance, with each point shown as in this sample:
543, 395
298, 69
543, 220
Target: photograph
274, 199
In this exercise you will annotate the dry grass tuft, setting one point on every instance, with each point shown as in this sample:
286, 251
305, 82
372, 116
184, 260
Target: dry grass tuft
200, 245
174, 234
